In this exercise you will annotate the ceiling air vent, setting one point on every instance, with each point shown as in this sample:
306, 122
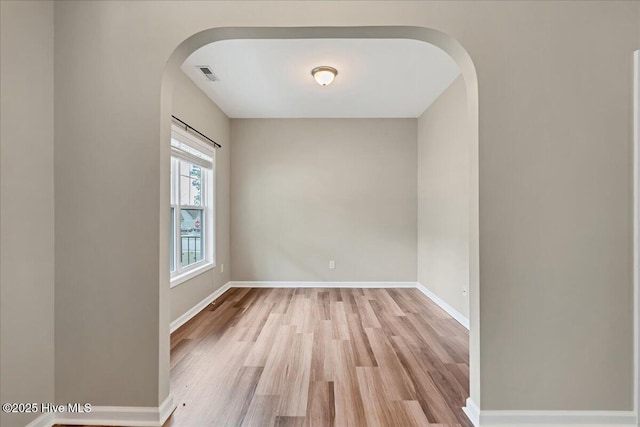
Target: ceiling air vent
206, 70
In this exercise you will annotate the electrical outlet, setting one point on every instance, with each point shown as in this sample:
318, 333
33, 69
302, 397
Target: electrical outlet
332, 264
221, 268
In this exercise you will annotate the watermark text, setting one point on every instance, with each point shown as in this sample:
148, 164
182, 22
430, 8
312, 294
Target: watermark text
45, 408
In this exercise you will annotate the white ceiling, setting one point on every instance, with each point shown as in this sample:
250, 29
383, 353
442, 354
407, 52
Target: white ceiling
272, 78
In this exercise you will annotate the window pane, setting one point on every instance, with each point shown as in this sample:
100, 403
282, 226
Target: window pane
191, 241
190, 184
172, 241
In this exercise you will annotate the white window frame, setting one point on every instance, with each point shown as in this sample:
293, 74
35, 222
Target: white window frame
208, 262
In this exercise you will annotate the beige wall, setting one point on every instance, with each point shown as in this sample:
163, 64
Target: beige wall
555, 206
195, 108
444, 135
555, 172
26, 206
107, 250
307, 191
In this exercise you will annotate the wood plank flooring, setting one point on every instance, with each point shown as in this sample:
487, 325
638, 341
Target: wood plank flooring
320, 357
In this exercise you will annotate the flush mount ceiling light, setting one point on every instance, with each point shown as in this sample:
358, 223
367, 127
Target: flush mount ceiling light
324, 75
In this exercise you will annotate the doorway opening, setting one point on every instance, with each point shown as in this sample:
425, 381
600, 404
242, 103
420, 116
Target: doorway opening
469, 84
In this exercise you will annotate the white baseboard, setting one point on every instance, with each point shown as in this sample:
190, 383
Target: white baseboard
548, 418
443, 305
44, 420
472, 412
558, 418
198, 307
166, 408
259, 284
129, 416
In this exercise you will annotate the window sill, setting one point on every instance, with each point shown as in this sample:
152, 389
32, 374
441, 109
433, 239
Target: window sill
177, 280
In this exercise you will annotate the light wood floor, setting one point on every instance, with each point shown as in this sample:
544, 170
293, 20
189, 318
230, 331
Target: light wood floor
320, 357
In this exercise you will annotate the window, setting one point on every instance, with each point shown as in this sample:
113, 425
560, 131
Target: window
192, 247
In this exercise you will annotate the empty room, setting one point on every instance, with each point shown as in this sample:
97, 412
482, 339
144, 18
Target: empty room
354, 213
344, 171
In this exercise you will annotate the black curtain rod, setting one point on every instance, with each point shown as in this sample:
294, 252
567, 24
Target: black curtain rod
187, 127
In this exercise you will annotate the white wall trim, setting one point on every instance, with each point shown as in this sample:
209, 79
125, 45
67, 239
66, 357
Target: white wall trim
198, 307
129, 416
190, 274
304, 284
472, 412
557, 418
464, 321
166, 408
44, 420
548, 418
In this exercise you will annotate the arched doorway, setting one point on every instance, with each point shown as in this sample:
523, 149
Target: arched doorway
441, 40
